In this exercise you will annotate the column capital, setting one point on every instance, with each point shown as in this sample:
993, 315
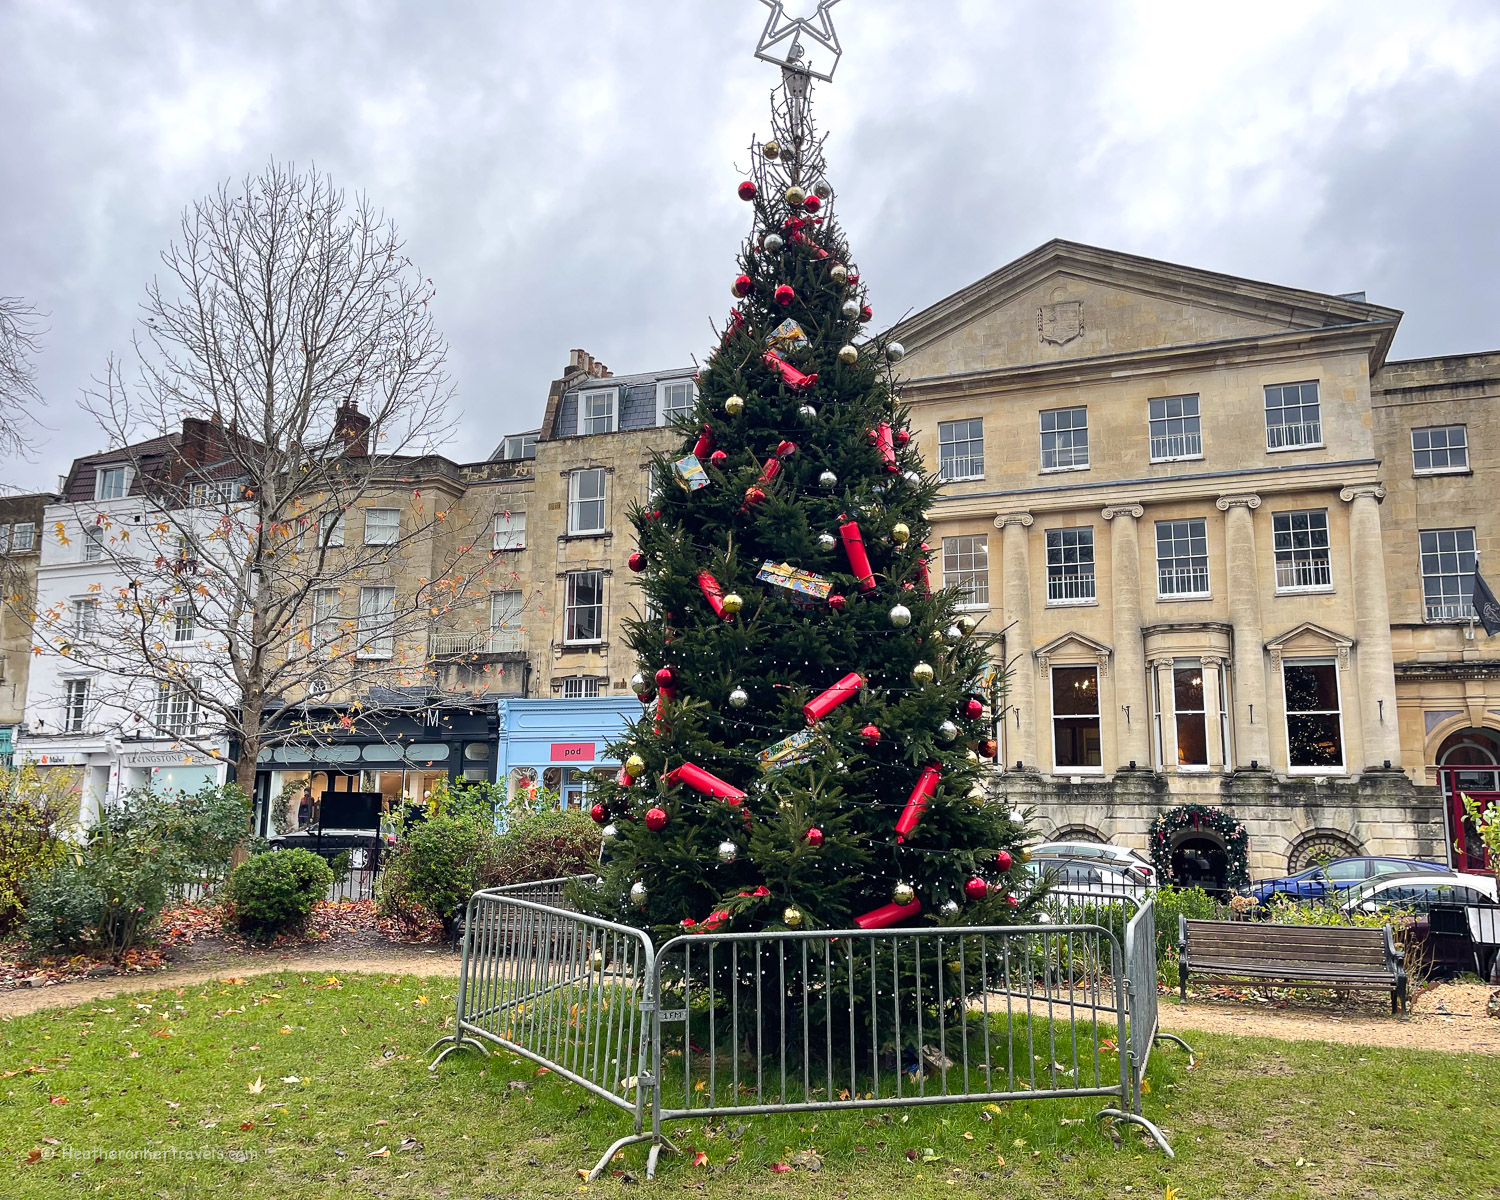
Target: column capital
1210, 661
1360, 491
1124, 508
1023, 519
1241, 500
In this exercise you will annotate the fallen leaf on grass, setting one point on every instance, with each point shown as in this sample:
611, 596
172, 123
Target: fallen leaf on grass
383, 1152
57, 1099
780, 1168
285, 1029
696, 1157
34, 1155
968, 1137
407, 1145
257, 1087
290, 1079
52, 1141
247, 1124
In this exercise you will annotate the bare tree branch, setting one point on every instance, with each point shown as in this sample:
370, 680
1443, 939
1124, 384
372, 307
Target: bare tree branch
19, 395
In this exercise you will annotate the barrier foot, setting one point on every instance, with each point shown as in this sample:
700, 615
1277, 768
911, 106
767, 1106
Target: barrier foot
656, 1149
458, 1043
1172, 1037
616, 1146
1159, 1137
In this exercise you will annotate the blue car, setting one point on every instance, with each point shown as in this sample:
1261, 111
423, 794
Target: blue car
1316, 882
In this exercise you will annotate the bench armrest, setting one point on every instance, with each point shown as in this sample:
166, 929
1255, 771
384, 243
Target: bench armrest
1393, 952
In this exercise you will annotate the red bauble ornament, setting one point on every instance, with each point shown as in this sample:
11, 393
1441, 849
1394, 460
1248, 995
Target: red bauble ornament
718, 458
753, 495
599, 813
785, 294
973, 708
636, 562
747, 190
975, 889
664, 677
815, 837
989, 747
813, 203
656, 819
1003, 860
867, 314
743, 286
1013, 900
870, 735
836, 602
903, 436
647, 696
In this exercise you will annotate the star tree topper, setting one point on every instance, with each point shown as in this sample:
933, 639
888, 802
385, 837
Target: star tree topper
781, 42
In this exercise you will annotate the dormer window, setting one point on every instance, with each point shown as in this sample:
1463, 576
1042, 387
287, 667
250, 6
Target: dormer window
596, 411
674, 398
521, 445
111, 483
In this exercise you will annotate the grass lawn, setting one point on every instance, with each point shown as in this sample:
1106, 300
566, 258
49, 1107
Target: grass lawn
322, 1087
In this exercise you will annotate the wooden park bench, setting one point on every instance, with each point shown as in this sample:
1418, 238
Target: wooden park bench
1310, 956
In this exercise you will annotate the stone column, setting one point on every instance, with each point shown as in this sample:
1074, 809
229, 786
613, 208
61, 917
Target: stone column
1252, 736
1167, 698
1217, 751
1015, 590
1134, 731
1372, 627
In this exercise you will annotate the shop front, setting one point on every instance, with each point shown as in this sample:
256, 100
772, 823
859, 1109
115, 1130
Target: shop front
107, 767
558, 744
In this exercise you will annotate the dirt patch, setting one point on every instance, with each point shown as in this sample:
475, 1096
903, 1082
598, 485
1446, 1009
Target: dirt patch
1449, 1016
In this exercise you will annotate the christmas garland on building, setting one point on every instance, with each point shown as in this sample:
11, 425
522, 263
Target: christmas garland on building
1202, 817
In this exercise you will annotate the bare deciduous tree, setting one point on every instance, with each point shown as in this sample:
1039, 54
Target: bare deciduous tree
291, 376
19, 395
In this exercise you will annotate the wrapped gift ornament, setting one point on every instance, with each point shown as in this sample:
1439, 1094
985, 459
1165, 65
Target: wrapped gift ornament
786, 336
887, 915
700, 780
859, 561
916, 803
825, 702
802, 746
690, 473
808, 589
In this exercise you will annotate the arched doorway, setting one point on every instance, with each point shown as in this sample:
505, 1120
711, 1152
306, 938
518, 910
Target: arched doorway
1200, 860
1468, 763
1200, 845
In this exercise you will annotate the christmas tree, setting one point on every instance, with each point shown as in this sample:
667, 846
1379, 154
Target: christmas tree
816, 715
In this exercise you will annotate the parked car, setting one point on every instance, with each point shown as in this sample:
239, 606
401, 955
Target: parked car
1317, 882
1102, 851
1097, 879
1418, 891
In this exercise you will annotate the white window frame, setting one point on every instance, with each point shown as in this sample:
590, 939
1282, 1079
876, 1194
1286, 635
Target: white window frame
976, 576
1187, 664
1081, 584
327, 617
1098, 716
184, 622
1463, 609
1191, 446
571, 605
1286, 717
1206, 591
585, 418
506, 633
85, 617
509, 531
373, 644
4, 539
387, 532
78, 696
1286, 556
331, 529
18, 545
1071, 432
214, 492
663, 414
582, 687
948, 436
1447, 448
522, 442
176, 710
1311, 431
103, 473
93, 543
576, 504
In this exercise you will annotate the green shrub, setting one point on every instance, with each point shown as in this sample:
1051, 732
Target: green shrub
274, 892
1172, 902
36, 808
193, 835
100, 897
436, 866
543, 845
64, 907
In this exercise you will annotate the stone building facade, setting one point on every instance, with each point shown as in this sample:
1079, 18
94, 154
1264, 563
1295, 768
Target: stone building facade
1193, 508
20, 553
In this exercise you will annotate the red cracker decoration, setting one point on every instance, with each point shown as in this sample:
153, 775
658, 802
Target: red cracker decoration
792, 377
705, 443
887, 915
859, 561
701, 781
713, 593
916, 804
821, 705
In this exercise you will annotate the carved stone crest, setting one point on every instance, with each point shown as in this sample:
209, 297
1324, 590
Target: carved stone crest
1061, 322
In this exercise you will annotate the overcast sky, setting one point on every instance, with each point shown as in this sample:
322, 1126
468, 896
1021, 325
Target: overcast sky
565, 171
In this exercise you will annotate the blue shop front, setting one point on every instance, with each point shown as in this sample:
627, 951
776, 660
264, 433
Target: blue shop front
557, 744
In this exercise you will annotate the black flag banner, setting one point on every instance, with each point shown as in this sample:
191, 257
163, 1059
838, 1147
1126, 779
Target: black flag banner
1485, 605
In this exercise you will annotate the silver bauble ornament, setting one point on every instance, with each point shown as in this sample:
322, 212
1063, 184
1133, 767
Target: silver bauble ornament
953, 635
850, 309
807, 412
826, 541
900, 616
839, 273
1016, 817
895, 351
611, 832
791, 916
739, 698
922, 673
947, 731
822, 189
638, 894
774, 243
1044, 918
949, 909
828, 479
849, 353
727, 852
734, 405
903, 893
638, 684
912, 477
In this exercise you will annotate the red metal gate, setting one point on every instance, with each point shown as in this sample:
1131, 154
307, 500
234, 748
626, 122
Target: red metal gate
1466, 851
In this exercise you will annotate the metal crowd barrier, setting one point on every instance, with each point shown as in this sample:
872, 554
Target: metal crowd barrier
712, 1024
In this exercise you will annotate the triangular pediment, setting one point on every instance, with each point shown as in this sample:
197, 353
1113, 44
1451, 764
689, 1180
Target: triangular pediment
1074, 647
1065, 301
1308, 640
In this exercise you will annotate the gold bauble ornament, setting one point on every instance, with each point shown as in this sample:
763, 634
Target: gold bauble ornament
900, 532
839, 273
734, 405
771, 150
971, 758
733, 603
922, 673
903, 893
967, 624
791, 916
795, 196
977, 794
635, 765
1025, 855
848, 353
